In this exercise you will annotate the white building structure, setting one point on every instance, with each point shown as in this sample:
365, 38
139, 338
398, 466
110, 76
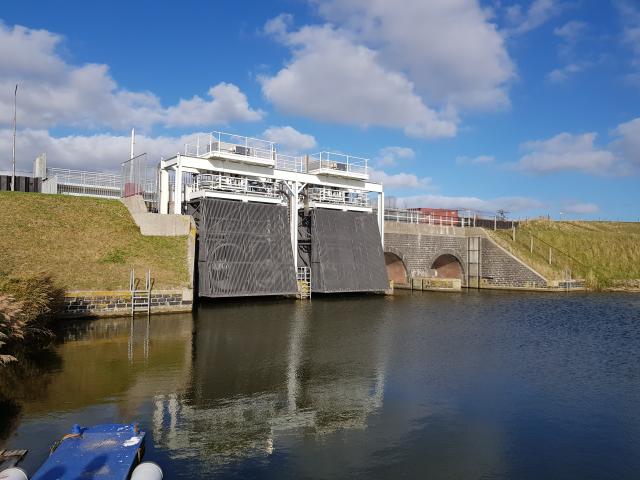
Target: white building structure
227, 166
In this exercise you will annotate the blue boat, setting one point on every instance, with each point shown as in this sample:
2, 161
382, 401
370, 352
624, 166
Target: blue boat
110, 451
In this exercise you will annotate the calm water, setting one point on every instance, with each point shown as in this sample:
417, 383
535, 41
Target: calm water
474, 385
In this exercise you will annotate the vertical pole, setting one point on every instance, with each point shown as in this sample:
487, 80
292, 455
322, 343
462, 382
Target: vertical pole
513, 231
549, 255
495, 222
381, 216
294, 224
177, 196
164, 191
474, 219
531, 246
133, 140
15, 115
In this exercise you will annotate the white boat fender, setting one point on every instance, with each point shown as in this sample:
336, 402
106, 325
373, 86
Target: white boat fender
14, 473
146, 471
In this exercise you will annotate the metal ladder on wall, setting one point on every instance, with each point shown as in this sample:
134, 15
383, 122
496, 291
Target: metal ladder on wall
303, 277
140, 298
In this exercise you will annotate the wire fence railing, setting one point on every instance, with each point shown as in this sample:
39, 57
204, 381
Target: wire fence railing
209, 145
454, 218
339, 196
339, 162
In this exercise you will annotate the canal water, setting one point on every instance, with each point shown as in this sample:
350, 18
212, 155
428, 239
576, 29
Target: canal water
490, 385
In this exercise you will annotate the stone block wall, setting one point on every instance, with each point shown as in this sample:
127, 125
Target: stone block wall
418, 251
419, 245
500, 268
106, 303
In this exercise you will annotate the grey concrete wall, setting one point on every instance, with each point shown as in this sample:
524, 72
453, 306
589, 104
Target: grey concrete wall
154, 224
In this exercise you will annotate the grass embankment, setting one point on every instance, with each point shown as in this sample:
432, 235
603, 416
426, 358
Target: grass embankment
83, 243
605, 254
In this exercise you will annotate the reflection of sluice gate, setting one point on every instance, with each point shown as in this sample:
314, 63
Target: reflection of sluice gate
232, 412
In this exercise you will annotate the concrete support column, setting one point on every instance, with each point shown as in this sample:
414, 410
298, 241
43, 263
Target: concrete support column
381, 216
293, 222
164, 191
177, 196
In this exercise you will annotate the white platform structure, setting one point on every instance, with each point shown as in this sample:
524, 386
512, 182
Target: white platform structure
228, 166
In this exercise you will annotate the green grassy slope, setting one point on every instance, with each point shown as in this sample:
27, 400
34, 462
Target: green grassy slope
83, 243
604, 253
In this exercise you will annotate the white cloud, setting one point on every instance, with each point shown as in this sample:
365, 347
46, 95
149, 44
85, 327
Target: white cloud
626, 144
479, 160
88, 152
509, 204
389, 156
290, 140
399, 180
227, 104
449, 50
333, 79
570, 34
538, 13
563, 73
54, 93
571, 31
581, 208
567, 152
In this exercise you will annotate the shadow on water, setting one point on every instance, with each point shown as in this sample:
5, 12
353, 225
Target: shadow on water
22, 380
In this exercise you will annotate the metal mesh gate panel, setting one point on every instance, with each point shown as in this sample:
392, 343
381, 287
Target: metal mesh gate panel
346, 252
244, 249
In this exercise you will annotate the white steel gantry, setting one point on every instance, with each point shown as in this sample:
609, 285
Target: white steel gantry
234, 167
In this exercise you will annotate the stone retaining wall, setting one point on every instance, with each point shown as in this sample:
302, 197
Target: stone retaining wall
114, 303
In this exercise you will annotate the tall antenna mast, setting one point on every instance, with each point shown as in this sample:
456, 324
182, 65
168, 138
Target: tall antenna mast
15, 104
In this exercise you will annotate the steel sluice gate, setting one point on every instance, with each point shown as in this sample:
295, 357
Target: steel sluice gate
344, 251
244, 249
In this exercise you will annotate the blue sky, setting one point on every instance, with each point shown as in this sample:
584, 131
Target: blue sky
532, 106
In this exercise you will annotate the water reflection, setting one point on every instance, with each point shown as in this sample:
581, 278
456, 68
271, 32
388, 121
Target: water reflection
271, 373
469, 385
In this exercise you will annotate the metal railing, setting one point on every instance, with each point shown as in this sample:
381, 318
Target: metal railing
290, 163
468, 219
303, 278
415, 216
86, 183
338, 162
339, 196
139, 177
209, 145
239, 185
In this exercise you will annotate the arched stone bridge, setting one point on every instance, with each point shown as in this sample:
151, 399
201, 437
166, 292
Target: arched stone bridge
422, 251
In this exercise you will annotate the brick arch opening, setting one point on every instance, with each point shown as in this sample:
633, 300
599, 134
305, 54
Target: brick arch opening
448, 266
396, 270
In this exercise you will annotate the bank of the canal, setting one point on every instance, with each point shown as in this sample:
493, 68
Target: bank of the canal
477, 384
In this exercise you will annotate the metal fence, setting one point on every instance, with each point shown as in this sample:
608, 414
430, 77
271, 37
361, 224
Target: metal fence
139, 177
468, 218
239, 185
339, 196
84, 183
214, 143
338, 161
